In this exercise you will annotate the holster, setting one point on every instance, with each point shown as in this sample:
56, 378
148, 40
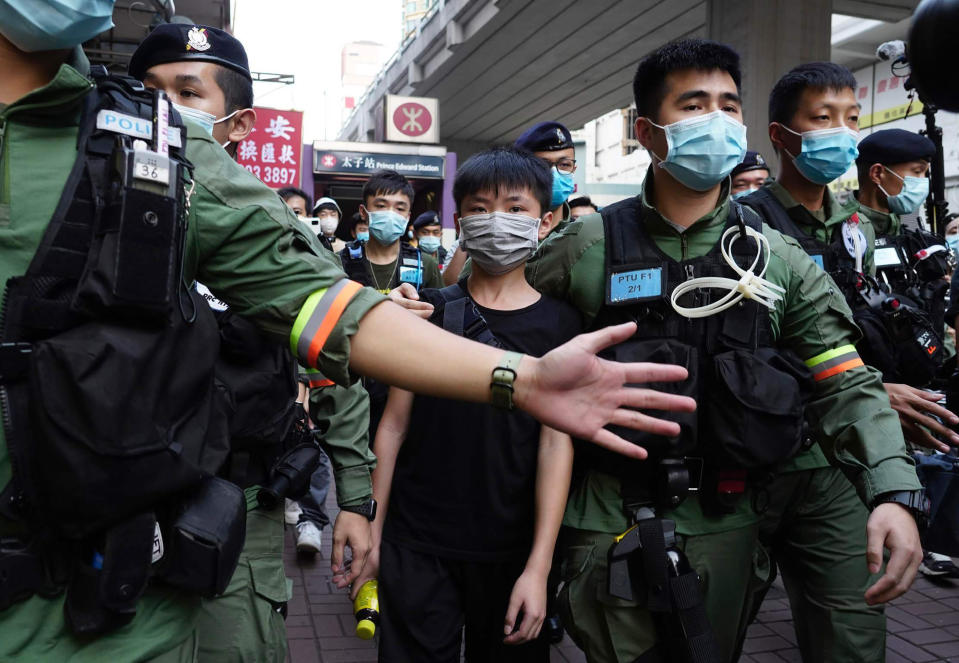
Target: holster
646, 566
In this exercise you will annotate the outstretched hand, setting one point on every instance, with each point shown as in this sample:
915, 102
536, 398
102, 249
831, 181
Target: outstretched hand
573, 390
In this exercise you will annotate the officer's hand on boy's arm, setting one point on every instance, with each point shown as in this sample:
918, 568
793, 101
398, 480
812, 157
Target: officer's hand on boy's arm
406, 296
893, 527
529, 598
914, 407
353, 530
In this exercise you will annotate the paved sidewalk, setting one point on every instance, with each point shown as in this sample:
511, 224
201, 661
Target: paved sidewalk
923, 625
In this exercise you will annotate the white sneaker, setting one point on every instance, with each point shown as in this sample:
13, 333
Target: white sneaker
308, 538
291, 512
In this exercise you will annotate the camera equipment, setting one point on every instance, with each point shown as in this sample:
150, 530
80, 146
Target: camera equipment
900, 53
932, 38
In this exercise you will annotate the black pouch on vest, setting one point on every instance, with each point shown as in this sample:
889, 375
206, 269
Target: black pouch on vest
876, 347
663, 351
921, 355
102, 595
753, 406
123, 418
205, 538
133, 267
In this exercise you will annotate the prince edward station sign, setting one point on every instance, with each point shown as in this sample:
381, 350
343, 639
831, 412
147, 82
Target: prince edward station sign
363, 159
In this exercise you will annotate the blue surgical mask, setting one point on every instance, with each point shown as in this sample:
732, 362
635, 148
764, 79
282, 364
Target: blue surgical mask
429, 243
914, 191
744, 193
387, 226
703, 150
204, 119
826, 153
51, 25
363, 236
952, 241
563, 185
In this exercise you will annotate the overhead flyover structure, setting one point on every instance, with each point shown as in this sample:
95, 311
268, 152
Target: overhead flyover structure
498, 66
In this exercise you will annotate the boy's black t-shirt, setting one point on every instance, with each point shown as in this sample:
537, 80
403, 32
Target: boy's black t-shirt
463, 486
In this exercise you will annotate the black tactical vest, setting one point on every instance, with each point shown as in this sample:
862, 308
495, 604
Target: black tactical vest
107, 357
833, 257
749, 394
409, 270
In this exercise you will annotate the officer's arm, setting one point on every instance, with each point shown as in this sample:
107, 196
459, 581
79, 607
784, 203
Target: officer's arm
849, 410
345, 411
252, 252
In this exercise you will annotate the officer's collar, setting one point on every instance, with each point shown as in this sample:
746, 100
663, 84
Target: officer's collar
655, 216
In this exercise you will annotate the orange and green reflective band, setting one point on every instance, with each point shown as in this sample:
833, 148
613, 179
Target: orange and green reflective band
833, 362
317, 319
316, 379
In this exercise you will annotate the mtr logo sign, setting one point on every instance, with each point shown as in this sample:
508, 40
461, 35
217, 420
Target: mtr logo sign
412, 119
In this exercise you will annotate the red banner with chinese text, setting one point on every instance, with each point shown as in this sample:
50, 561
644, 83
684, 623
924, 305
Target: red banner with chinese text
273, 149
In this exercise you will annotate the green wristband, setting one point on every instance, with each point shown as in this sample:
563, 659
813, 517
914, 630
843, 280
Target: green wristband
504, 375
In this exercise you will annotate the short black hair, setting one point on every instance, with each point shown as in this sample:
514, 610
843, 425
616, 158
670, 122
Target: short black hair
649, 84
288, 192
506, 167
582, 201
784, 98
386, 182
237, 89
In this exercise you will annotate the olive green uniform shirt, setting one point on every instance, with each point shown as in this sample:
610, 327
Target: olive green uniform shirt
382, 275
850, 410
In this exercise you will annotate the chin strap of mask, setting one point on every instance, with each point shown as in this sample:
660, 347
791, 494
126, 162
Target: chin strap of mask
750, 285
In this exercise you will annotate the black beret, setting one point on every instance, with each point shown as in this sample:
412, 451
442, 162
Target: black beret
892, 146
545, 137
426, 219
179, 42
753, 161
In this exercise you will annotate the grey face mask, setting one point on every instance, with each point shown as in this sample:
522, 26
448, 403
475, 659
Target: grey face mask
498, 241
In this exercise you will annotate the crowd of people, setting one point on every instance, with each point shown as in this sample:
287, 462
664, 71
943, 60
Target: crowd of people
191, 360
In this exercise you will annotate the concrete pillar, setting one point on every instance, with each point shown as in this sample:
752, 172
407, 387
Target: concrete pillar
772, 36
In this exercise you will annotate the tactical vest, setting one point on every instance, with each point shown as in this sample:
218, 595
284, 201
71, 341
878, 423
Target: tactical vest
833, 257
112, 422
258, 376
409, 270
749, 394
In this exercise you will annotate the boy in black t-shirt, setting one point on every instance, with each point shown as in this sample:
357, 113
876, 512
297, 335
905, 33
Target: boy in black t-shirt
466, 526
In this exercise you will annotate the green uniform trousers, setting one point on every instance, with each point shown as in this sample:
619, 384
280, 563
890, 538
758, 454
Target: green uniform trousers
815, 523
243, 624
814, 530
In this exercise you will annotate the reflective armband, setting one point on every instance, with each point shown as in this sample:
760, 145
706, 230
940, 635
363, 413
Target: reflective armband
315, 379
835, 361
318, 317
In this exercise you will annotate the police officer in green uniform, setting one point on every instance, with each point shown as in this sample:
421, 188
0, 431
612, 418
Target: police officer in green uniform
811, 508
244, 244
244, 623
627, 262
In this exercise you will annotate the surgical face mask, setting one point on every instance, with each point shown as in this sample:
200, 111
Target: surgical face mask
387, 226
826, 153
328, 224
703, 150
204, 119
914, 191
53, 24
363, 236
744, 193
952, 241
498, 241
563, 185
429, 243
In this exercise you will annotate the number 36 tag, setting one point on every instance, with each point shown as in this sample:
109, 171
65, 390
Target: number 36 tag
151, 167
